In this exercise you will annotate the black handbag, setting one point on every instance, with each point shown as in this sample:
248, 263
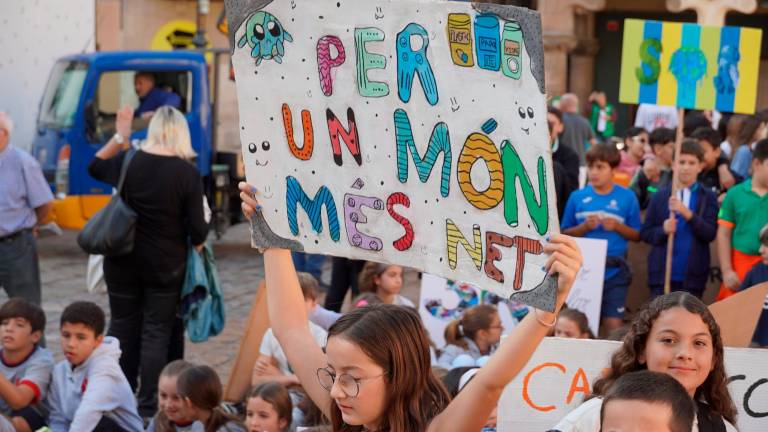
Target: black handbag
110, 232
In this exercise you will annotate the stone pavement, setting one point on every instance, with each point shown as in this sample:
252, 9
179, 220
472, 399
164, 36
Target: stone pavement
63, 269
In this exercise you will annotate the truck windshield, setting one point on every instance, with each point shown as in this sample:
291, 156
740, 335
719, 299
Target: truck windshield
63, 93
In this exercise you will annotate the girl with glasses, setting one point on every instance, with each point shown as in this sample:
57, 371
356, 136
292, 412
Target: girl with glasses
375, 373
472, 337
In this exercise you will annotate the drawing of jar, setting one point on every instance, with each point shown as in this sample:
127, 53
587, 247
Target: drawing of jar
487, 41
460, 39
512, 57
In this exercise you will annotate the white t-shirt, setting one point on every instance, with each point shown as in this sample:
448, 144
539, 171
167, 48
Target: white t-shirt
651, 116
586, 418
271, 347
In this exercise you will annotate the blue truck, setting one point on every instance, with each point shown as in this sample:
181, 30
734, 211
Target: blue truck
77, 117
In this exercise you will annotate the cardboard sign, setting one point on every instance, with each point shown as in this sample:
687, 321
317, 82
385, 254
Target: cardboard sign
442, 301
690, 66
412, 133
738, 315
562, 371
587, 291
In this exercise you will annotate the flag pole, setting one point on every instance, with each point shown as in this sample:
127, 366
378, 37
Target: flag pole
671, 236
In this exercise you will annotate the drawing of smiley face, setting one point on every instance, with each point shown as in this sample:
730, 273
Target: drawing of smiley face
526, 113
253, 148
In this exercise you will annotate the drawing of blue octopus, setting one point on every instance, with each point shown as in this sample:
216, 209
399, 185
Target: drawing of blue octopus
727, 78
265, 35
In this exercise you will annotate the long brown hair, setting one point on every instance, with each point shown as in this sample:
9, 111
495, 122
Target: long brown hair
579, 318
714, 390
202, 386
395, 339
366, 280
276, 395
171, 370
472, 321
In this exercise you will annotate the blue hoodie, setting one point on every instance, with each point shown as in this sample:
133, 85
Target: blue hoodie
80, 396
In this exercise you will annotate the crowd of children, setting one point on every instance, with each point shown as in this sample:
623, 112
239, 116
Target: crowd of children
375, 367
716, 200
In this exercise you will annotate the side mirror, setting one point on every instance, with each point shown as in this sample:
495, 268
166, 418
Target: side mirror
90, 115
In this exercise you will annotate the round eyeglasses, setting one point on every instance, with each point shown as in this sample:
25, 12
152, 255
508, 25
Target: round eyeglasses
348, 384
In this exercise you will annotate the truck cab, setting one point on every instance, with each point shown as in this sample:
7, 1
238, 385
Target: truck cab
77, 117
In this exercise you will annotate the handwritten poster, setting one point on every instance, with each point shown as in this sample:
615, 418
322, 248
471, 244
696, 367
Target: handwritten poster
442, 301
406, 132
587, 291
690, 66
562, 371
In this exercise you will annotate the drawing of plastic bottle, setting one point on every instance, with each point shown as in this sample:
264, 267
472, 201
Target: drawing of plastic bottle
512, 57
487, 41
460, 39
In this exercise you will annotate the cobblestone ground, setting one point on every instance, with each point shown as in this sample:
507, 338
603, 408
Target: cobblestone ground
63, 269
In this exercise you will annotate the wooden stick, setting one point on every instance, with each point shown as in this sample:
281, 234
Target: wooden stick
258, 322
671, 236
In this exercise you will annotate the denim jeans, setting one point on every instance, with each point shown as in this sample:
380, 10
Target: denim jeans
144, 309
310, 263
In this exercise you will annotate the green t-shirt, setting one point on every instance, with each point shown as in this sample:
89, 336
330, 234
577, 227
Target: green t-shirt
748, 212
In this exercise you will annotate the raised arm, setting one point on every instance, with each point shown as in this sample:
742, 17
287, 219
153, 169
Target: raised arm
287, 314
473, 405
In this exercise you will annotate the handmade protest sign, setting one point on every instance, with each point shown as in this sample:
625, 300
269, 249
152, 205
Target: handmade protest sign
690, 66
405, 132
562, 371
442, 301
587, 291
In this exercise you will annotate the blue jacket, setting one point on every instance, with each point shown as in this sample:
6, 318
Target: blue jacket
703, 227
202, 301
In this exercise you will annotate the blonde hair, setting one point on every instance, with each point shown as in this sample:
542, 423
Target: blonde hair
169, 130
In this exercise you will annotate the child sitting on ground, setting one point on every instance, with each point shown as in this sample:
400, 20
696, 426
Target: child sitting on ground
25, 370
200, 390
386, 281
472, 337
170, 414
89, 391
647, 401
272, 364
268, 408
572, 323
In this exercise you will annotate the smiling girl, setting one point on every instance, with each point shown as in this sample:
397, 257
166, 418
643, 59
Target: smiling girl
170, 414
375, 374
677, 335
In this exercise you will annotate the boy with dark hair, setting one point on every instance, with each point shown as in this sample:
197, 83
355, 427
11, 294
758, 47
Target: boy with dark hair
656, 172
757, 275
715, 175
692, 215
604, 210
89, 390
25, 370
647, 401
743, 214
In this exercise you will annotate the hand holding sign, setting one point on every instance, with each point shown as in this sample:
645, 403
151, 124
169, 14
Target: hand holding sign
380, 164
